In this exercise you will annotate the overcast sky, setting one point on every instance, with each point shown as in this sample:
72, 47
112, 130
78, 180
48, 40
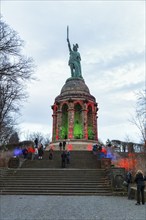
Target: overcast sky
111, 38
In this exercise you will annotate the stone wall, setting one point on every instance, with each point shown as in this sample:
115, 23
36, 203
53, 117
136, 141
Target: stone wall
117, 176
4, 157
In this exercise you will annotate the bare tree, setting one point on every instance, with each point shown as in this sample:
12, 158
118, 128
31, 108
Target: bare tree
140, 115
14, 139
15, 71
45, 139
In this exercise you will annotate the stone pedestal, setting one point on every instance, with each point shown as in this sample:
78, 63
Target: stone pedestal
117, 178
75, 113
13, 162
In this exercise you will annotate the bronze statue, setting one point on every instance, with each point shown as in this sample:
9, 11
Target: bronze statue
75, 58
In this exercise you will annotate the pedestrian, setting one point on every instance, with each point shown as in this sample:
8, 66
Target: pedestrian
40, 152
36, 142
60, 146
36, 153
128, 179
25, 152
30, 152
33, 153
94, 149
64, 144
63, 157
139, 179
68, 157
50, 154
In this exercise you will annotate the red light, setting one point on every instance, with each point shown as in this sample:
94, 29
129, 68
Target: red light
69, 147
89, 147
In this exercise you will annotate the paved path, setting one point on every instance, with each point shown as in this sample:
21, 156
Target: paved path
70, 208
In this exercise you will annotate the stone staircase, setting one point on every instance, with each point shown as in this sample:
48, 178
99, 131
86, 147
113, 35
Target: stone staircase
78, 159
46, 177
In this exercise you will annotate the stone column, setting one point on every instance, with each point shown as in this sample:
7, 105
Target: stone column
96, 124
95, 121
54, 123
85, 129
96, 129
58, 126
70, 119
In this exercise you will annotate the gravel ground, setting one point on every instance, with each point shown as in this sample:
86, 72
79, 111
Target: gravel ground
70, 208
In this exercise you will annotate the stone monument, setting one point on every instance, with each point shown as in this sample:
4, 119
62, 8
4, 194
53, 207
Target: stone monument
75, 109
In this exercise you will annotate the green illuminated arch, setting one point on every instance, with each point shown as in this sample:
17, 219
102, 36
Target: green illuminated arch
90, 124
64, 127
78, 128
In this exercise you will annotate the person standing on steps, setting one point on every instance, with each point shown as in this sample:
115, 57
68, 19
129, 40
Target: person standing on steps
63, 159
36, 153
64, 144
36, 142
139, 179
40, 152
68, 157
51, 154
60, 145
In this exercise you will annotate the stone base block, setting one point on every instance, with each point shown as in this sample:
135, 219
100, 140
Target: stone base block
74, 145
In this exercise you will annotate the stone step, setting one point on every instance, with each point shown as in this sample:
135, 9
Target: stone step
57, 176
33, 170
52, 179
54, 187
55, 184
56, 193
60, 173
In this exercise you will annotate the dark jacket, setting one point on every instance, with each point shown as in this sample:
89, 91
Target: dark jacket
128, 177
63, 155
40, 151
139, 179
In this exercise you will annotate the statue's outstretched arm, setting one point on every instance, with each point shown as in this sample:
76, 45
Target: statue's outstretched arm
69, 44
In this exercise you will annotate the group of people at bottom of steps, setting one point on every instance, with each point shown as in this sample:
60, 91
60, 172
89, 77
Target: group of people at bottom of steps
139, 179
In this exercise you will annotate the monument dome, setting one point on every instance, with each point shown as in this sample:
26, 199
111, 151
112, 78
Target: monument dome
75, 87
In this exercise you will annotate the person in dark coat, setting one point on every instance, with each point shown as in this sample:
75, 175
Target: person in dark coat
128, 179
63, 157
68, 157
25, 152
36, 142
139, 179
64, 144
60, 146
50, 154
40, 152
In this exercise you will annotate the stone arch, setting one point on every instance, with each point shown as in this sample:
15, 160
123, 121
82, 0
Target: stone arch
90, 123
78, 125
64, 122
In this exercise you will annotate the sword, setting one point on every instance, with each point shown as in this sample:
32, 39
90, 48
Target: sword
67, 32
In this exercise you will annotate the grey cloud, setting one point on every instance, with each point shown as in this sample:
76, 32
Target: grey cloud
118, 61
